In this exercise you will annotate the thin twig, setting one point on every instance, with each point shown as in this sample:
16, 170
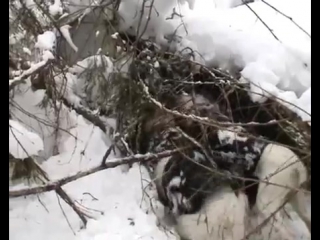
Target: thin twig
196, 143
65, 216
44, 206
89, 209
290, 18
70, 202
106, 155
270, 30
93, 198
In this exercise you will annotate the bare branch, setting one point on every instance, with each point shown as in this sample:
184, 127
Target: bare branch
290, 18
88, 115
65, 216
70, 202
263, 22
111, 164
27, 73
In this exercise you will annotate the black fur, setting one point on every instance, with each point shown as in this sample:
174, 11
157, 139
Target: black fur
240, 165
251, 189
199, 178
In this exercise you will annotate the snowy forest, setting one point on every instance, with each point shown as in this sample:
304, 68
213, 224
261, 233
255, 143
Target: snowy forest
160, 119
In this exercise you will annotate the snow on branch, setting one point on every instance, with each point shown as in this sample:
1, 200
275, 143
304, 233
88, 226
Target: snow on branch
110, 164
35, 68
57, 185
87, 114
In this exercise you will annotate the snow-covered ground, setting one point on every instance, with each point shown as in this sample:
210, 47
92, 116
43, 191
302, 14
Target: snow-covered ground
119, 195
223, 36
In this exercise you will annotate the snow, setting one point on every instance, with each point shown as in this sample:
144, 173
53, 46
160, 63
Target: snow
41, 121
66, 34
226, 3
233, 38
15, 38
23, 143
29, 71
46, 56
65, 83
229, 136
56, 8
127, 212
115, 35
29, 3
94, 61
46, 41
26, 50
224, 34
